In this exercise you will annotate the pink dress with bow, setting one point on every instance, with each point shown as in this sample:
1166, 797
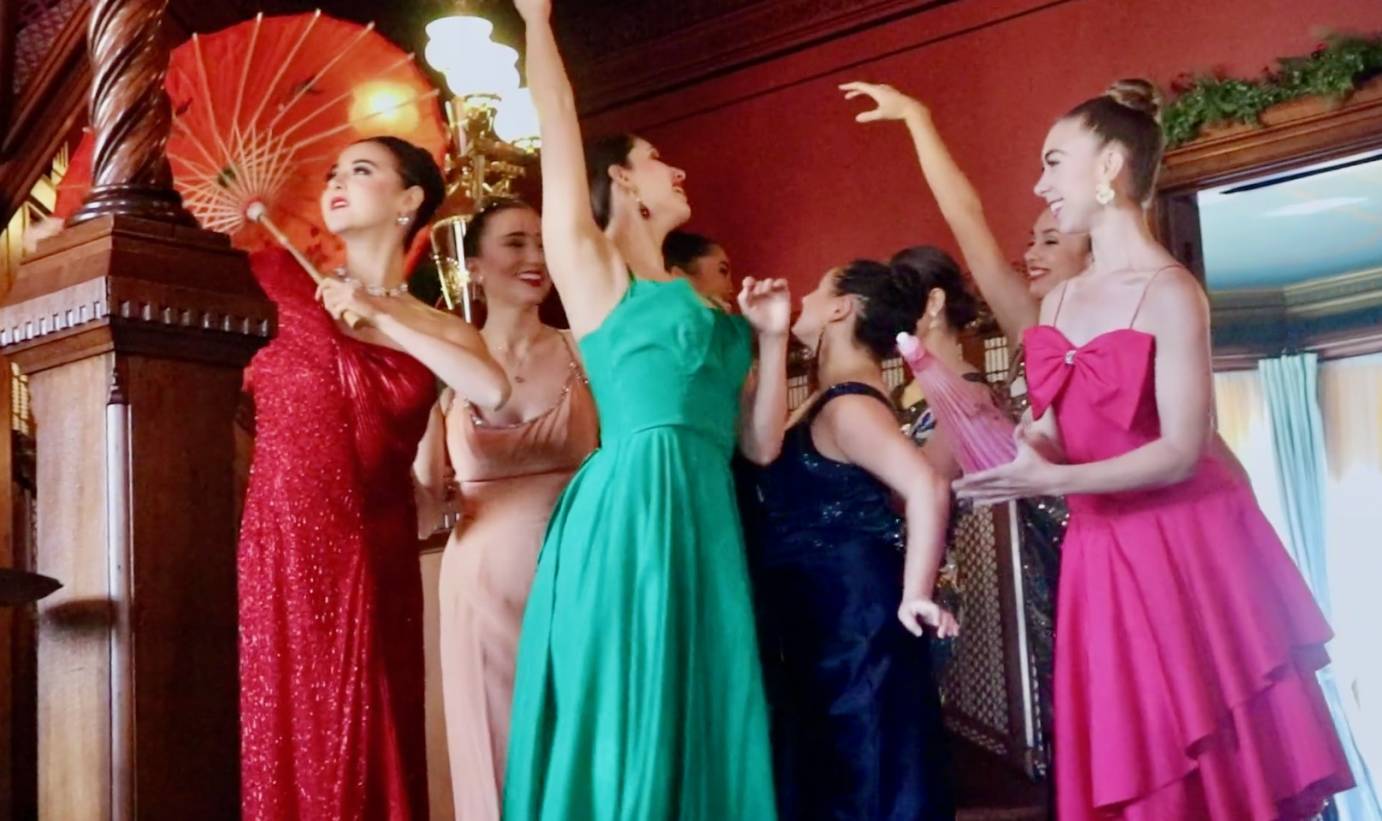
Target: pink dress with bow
1186, 639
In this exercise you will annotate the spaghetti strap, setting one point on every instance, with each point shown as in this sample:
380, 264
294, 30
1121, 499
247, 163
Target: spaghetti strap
1145, 288
1060, 302
566, 342
577, 367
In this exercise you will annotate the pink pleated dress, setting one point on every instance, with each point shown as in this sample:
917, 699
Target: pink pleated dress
1186, 640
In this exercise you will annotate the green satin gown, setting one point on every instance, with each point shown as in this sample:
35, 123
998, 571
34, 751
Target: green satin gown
639, 694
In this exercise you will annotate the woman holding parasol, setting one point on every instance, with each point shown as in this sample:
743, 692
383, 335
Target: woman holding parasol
331, 668
330, 591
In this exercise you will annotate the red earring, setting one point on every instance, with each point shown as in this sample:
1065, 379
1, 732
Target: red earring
643, 210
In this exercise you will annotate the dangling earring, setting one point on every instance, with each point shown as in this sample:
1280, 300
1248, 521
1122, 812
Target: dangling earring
642, 209
1103, 193
404, 220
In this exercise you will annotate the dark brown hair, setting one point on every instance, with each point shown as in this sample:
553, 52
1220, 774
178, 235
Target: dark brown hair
937, 269
682, 249
600, 156
415, 167
892, 297
475, 227
1129, 114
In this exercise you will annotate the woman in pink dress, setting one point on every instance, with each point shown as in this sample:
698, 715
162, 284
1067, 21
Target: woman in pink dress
1187, 643
331, 664
511, 464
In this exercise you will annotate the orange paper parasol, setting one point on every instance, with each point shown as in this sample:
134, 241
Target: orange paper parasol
262, 109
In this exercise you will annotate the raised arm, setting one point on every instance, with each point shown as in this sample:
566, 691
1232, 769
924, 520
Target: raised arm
866, 433
1003, 288
767, 306
582, 261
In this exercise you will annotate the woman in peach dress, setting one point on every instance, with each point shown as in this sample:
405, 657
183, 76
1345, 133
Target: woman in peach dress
510, 466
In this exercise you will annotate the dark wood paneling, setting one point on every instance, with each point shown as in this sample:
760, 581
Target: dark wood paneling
134, 335
1178, 221
50, 108
8, 22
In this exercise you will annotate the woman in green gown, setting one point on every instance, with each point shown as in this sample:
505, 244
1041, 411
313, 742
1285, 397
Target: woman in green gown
638, 693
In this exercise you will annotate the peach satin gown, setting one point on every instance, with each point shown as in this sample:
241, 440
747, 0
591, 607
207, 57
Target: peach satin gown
509, 477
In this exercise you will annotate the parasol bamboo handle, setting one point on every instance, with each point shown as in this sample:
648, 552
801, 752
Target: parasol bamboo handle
259, 214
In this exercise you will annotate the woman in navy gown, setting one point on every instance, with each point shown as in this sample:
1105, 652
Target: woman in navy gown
844, 590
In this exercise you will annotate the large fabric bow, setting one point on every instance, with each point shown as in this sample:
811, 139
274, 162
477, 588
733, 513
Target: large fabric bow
1111, 370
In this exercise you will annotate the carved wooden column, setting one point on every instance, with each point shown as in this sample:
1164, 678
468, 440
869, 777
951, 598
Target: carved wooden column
130, 114
134, 326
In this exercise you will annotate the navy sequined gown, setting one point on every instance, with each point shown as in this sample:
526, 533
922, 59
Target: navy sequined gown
856, 717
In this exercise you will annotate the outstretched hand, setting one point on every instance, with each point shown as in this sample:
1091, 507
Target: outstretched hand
1031, 473
890, 104
766, 304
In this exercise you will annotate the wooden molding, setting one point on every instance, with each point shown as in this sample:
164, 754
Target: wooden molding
1337, 317
1317, 132
122, 283
644, 65
1332, 296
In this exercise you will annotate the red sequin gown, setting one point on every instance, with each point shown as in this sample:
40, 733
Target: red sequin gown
331, 663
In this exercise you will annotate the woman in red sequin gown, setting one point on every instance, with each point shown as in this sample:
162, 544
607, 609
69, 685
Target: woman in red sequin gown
331, 666
1187, 643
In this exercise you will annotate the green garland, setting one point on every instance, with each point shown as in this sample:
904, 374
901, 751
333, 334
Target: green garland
1337, 67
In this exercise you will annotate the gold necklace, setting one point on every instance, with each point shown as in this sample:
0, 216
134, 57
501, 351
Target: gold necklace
518, 367
372, 290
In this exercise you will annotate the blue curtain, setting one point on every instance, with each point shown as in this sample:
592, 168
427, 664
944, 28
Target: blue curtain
1290, 385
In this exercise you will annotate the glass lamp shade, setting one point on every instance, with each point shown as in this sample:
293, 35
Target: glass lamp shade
517, 120
459, 47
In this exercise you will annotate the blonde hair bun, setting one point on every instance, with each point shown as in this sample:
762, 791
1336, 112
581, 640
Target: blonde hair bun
1137, 94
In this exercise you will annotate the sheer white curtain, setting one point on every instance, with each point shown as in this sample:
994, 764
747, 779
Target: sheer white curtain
1246, 426
1350, 398
1351, 406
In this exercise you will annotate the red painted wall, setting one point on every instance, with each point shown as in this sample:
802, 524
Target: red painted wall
783, 177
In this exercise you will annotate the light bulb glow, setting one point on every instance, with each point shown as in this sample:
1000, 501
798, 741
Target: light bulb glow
380, 107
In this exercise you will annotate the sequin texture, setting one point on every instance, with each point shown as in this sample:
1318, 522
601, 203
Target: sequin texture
331, 667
